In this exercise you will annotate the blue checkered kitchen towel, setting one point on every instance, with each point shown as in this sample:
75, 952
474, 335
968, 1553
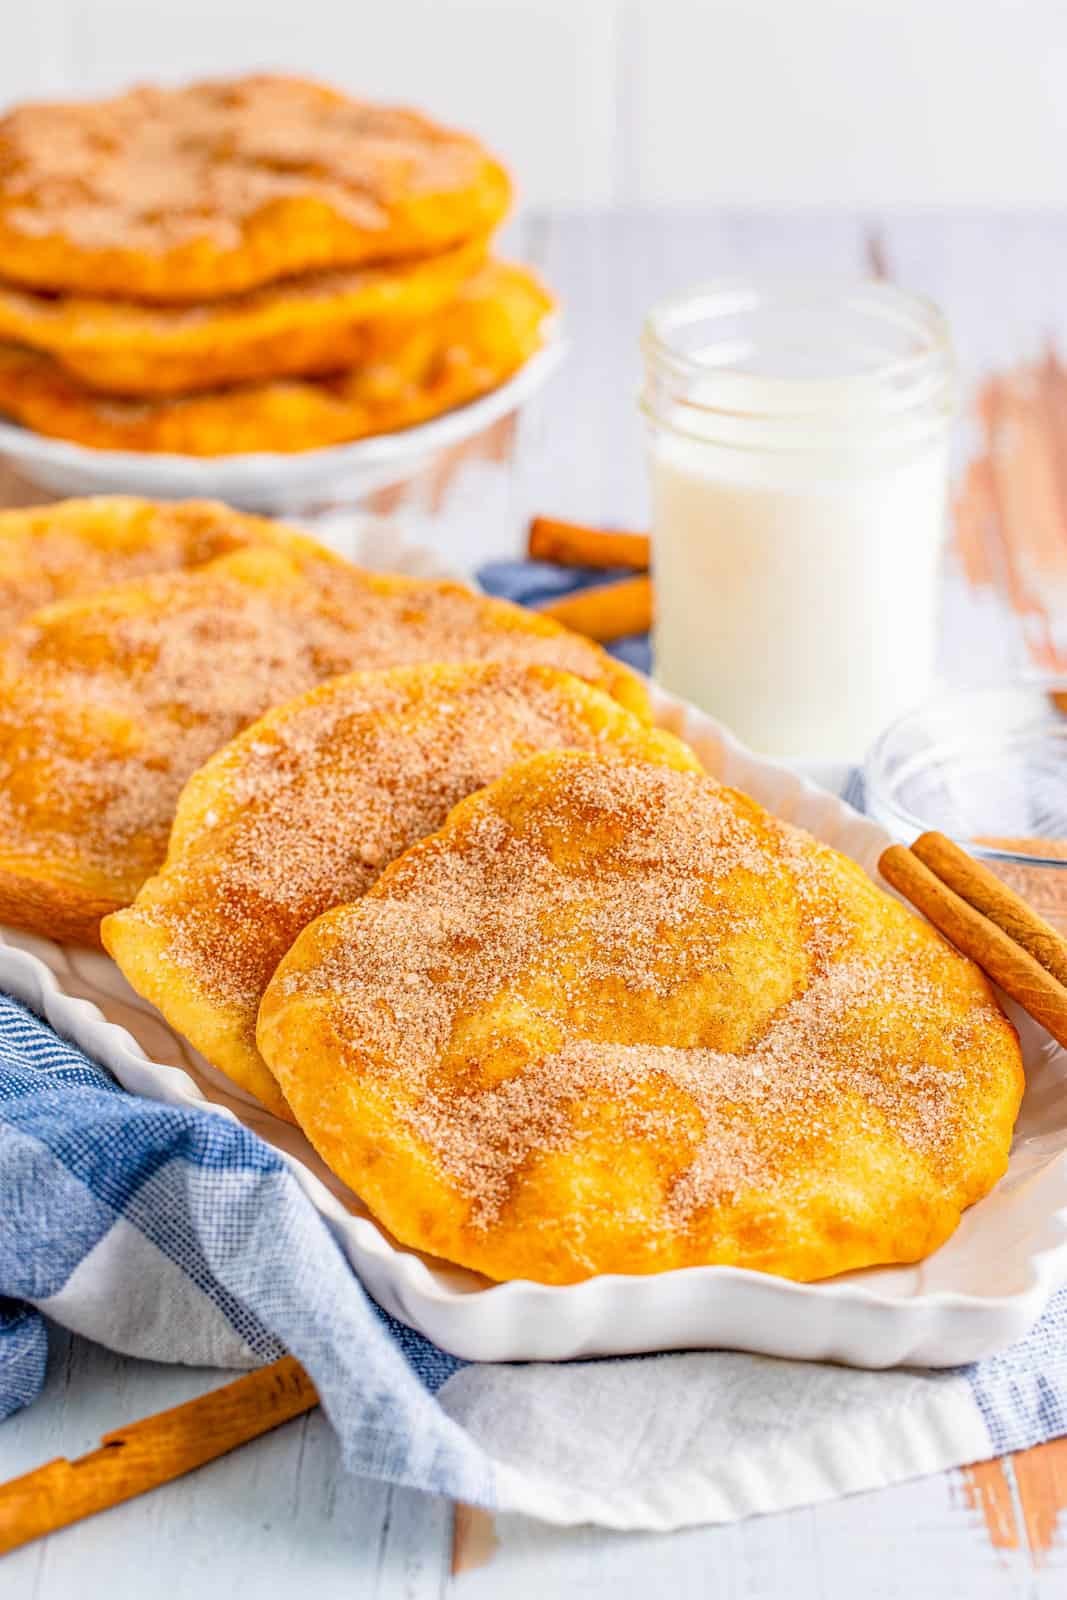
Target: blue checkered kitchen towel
177, 1235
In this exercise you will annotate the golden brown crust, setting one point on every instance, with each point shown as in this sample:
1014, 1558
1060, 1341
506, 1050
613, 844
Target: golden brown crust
74, 547
109, 703
323, 323
45, 898
407, 377
495, 630
303, 811
614, 1018
178, 195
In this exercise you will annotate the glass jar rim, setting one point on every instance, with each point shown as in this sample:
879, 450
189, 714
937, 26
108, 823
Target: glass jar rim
918, 379
882, 800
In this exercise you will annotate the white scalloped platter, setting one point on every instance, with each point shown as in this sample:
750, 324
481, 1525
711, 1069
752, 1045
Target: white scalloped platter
273, 481
980, 1292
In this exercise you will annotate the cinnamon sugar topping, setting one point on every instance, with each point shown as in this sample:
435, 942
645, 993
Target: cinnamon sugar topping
57, 552
308, 813
617, 956
740, 1118
108, 705
208, 170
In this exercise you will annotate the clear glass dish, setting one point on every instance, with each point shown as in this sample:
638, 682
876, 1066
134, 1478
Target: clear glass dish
988, 767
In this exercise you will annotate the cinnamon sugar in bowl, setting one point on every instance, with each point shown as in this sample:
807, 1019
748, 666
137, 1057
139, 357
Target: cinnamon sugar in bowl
988, 767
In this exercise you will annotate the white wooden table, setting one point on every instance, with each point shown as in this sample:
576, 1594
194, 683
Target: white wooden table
278, 1518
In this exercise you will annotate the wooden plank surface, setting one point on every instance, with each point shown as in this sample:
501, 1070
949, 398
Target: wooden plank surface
279, 1518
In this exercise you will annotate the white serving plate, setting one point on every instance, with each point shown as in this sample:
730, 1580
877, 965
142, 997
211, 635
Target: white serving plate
268, 481
980, 1292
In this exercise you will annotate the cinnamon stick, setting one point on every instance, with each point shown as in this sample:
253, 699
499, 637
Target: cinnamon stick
146, 1454
1008, 963
571, 544
607, 611
988, 894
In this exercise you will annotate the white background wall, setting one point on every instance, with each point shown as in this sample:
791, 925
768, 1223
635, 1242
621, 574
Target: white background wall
850, 103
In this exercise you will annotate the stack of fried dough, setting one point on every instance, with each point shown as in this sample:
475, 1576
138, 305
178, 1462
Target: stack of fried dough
255, 264
412, 868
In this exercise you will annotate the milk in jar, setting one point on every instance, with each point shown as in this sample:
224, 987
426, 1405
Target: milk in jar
798, 440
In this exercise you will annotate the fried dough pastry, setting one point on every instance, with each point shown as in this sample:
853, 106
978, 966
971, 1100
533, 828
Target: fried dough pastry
108, 704
178, 195
408, 375
616, 1018
303, 811
321, 323
58, 552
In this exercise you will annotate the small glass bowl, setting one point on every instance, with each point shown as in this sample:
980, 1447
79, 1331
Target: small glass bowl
988, 767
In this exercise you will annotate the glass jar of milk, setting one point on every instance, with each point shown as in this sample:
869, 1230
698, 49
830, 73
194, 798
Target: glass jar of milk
799, 437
